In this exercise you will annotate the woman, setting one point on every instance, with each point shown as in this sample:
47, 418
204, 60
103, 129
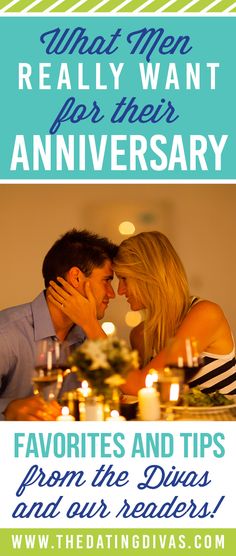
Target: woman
153, 279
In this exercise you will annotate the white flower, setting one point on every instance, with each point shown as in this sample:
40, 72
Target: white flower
99, 362
109, 355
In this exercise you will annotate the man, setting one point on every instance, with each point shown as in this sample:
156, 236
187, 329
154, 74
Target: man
84, 260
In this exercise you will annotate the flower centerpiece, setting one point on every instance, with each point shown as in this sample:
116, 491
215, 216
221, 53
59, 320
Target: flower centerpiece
103, 363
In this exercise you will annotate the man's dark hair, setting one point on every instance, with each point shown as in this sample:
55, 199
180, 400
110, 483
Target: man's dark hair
79, 248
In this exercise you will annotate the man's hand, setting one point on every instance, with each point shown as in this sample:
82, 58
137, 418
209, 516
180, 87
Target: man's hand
32, 409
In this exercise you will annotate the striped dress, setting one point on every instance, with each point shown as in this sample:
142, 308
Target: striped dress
218, 372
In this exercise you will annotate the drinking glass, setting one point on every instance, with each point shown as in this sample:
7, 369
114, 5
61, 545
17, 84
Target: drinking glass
170, 385
183, 362
184, 354
50, 362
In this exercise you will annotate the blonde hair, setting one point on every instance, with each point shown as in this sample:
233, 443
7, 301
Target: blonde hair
157, 278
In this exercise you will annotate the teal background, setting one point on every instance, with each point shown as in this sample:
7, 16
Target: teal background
201, 112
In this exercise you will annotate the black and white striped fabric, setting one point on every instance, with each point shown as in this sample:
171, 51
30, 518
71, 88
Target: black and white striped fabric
218, 371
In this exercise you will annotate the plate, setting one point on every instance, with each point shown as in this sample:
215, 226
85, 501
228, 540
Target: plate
126, 399
204, 413
204, 409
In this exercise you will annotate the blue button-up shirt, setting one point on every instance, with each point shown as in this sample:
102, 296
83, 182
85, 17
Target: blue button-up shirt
21, 327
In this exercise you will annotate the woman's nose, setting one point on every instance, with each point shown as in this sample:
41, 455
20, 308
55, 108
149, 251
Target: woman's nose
121, 287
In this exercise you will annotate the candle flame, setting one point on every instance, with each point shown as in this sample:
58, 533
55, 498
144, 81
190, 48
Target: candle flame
115, 414
154, 374
65, 411
174, 392
85, 391
149, 381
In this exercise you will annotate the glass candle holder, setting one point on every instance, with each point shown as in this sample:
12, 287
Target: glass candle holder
170, 386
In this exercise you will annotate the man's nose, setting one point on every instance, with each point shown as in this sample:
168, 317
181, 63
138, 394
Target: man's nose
111, 293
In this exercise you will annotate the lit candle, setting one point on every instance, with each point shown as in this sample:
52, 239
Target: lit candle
174, 392
149, 401
189, 354
115, 416
65, 416
57, 351
85, 390
49, 360
154, 374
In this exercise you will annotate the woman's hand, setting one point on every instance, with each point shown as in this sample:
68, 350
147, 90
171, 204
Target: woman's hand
80, 309
71, 302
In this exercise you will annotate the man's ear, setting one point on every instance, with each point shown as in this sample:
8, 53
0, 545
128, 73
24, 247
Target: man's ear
75, 277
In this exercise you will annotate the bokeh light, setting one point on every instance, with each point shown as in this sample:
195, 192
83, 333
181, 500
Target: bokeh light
109, 328
126, 228
133, 318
